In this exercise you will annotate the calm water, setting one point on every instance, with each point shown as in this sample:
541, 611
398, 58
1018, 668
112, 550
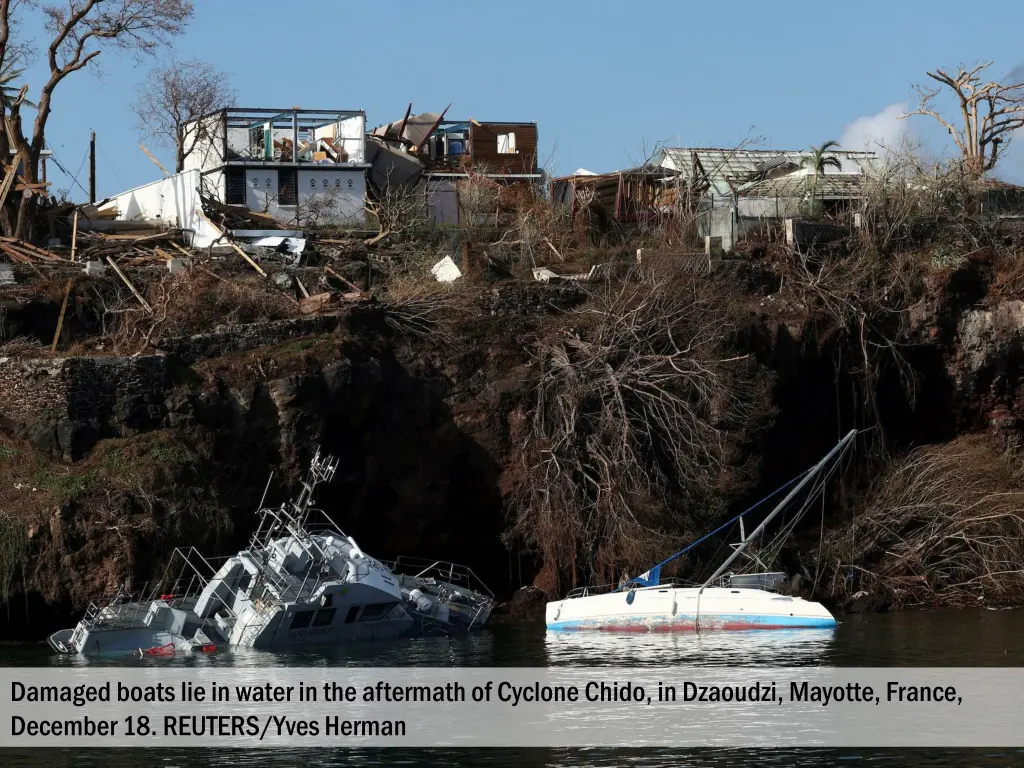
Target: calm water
981, 638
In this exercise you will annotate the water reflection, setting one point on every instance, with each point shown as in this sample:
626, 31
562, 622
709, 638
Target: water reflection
798, 647
507, 758
978, 638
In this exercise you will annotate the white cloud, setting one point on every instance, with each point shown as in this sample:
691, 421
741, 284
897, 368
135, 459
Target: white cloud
876, 132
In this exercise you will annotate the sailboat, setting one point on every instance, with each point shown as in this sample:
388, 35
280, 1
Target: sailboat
727, 600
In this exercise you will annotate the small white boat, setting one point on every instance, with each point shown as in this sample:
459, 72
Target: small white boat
725, 601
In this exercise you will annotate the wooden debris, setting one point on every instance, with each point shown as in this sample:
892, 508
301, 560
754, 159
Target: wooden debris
313, 304
155, 161
60, 320
302, 288
245, 256
226, 216
128, 282
353, 286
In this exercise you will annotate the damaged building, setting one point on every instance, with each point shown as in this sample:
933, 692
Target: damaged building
299, 166
732, 192
447, 162
634, 195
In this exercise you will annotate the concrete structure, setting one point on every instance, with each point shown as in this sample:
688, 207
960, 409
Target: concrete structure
300, 166
735, 191
173, 201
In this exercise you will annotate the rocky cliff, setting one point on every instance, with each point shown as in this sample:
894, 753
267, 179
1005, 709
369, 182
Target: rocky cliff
109, 462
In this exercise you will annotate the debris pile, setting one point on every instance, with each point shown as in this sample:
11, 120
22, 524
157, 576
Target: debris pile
229, 217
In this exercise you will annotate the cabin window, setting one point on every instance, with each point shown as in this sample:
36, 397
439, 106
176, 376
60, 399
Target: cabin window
326, 601
506, 143
287, 187
324, 617
302, 619
236, 186
351, 615
376, 611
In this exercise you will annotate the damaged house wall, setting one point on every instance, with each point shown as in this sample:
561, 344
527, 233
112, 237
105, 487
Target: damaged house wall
298, 166
174, 201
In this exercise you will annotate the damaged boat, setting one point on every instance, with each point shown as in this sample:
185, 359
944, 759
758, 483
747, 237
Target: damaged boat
443, 596
301, 582
727, 600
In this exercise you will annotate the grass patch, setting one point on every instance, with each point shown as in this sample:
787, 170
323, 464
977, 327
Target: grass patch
7, 453
63, 486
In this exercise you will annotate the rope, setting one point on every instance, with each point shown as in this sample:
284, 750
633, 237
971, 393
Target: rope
725, 525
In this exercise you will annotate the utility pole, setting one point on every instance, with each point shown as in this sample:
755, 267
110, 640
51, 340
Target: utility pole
92, 167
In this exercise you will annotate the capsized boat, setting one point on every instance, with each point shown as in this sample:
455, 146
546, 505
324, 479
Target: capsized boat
300, 582
441, 596
727, 600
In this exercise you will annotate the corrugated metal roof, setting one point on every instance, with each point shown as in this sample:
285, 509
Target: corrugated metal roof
739, 166
831, 186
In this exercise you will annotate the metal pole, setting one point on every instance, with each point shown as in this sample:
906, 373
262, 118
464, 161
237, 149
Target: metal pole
782, 504
92, 167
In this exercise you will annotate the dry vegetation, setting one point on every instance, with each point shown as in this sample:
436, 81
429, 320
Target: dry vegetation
640, 404
943, 525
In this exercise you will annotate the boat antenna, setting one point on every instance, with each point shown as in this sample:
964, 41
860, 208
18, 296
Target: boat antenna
267, 489
840, 448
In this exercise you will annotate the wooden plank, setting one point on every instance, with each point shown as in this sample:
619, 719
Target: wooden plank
245, 256
60, 320
31, 249
330, 271
74, 235
6, 184
128, 282
155, 161
16, 255
302, 287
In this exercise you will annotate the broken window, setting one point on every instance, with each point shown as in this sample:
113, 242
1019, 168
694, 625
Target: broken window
506, 143
287, 187
236, 186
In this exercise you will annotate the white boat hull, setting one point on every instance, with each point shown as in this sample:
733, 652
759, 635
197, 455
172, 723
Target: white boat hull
686, 609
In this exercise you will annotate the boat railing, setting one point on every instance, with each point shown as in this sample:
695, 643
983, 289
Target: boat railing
117, 611
603, 589
440, 570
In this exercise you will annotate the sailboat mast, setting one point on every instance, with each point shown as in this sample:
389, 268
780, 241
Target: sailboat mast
840, 446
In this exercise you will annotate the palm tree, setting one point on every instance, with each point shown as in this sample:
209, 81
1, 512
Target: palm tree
8, 92
819, 160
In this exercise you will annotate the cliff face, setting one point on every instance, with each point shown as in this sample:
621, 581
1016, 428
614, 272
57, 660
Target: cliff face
109, 463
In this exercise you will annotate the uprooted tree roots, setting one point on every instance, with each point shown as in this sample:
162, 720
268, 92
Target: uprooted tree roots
943, 526
640, 408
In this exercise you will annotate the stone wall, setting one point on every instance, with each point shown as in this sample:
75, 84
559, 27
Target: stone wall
64, 405
241, 338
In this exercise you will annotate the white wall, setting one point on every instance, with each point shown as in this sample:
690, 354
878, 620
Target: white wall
209, 151
336, 195
173, 201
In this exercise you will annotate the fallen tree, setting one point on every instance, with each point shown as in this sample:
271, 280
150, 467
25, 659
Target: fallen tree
641, 406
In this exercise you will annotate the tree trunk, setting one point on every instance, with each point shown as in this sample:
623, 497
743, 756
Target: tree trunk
28, 206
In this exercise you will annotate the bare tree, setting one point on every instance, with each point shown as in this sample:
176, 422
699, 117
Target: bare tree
80, 30
171, 100
990, 111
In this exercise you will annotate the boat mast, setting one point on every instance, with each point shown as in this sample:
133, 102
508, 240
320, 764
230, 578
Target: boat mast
745, 540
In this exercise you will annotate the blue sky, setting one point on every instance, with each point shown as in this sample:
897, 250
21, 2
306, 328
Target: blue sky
604, 80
